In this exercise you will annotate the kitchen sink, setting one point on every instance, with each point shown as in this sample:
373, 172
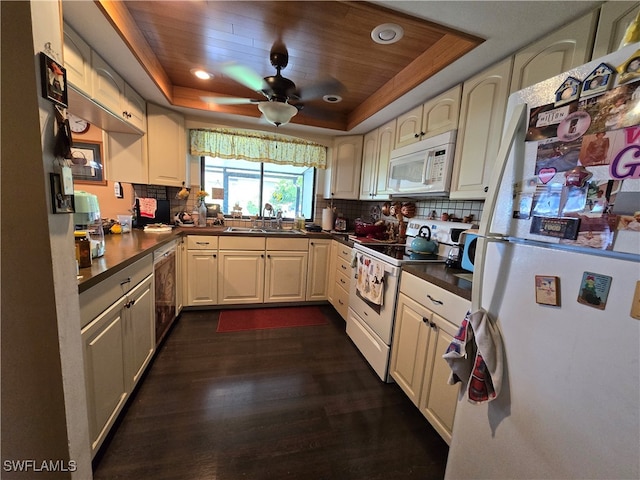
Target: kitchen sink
264, 231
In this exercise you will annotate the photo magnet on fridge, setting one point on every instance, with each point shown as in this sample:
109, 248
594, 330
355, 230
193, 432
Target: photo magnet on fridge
594, 290
548, 290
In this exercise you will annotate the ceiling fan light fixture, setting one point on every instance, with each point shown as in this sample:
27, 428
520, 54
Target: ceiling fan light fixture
387, 33
277, 113
201, 74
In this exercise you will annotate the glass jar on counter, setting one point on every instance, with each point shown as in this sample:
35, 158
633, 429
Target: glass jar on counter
83, 249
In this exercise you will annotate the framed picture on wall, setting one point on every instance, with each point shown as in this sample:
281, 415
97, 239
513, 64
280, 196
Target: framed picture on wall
87, 164
54, 80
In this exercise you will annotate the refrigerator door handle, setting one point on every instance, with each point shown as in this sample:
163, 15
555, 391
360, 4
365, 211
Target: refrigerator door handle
510, 134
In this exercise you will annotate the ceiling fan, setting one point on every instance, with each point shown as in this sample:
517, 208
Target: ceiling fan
283, 98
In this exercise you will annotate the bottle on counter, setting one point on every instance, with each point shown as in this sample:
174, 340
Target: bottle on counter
83, 249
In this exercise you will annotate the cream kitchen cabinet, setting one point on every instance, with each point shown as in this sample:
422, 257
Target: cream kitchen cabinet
126, 158
98, 93
482, 111
118, 335
77, 61
166, 146
318, 270
557, 52
438, 115
377, 146
341, 277
614, 19
342, 179
241, 265
422, 332
286, 269
202, 270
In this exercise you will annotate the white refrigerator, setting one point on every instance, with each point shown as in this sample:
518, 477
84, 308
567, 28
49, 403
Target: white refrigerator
559, 273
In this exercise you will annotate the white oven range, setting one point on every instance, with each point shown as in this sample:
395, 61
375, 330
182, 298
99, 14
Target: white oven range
372, 300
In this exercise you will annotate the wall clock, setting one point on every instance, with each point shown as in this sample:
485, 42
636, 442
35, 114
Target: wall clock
77, 124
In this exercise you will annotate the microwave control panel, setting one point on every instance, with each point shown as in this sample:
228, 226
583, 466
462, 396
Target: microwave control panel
438, 166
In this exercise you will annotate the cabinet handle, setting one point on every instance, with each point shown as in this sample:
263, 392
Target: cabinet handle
343, 267
311, 243
422, 134
425, 320
417, 135
262, 255
268, 256
124, 282
340, 302
486, 189
214, 255
437, 302
342, 281
202, 243
433, 326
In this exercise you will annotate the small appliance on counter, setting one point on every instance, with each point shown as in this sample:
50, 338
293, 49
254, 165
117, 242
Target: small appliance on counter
151, 211
88, 221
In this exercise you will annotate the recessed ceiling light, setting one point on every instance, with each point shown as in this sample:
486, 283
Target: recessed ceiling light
332, 98
201, 74
387, 33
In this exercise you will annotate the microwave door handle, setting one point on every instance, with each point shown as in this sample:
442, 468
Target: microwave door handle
426, 169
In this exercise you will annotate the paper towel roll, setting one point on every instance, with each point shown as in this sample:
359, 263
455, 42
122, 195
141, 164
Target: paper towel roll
327, 219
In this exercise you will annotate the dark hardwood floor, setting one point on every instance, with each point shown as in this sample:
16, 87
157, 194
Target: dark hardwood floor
291, 403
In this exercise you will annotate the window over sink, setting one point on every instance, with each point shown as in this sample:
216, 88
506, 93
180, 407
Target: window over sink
253, 184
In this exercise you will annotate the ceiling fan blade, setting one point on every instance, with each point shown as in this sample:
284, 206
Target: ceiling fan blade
229, 100
328, 86
244, 76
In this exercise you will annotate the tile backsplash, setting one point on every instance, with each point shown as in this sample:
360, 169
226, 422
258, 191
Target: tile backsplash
350, 209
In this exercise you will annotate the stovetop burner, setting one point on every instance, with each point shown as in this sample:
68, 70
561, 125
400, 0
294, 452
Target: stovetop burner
398, 254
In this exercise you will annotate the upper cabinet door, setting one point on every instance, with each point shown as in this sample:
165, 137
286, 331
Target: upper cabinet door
369, 157
614, 19
558, 52
386, 137
408, 127
484, 101
166, 145
77, 61
441, 114
345, 163
135, 108
108, 86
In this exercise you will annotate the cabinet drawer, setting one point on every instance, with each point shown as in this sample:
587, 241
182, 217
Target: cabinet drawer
446, 304
344, 252
287, 244
202, 242
98, 298
343, 280
341, 300
236, 242
344, 266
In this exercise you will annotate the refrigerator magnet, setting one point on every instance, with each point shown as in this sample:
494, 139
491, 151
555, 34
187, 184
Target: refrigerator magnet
594, 290
598, 81
630, 69
635, 306
548, 290
568, 91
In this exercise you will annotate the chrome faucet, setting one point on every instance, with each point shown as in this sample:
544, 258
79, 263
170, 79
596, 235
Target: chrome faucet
268, 208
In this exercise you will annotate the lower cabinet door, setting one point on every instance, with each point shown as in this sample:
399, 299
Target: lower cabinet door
286, 277
104, 370
240, 277
202, 281
439, 399
139, 332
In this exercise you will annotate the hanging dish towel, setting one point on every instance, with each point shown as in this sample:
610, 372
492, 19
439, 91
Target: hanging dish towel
370, 283
475, 357
148, 207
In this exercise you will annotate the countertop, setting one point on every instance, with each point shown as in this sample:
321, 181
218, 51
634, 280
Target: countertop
121, 250
442, 276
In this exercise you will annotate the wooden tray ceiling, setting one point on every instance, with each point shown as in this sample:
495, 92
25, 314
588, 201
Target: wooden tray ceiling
325, 38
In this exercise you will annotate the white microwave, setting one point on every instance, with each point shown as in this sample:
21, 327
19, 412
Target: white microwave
423, 168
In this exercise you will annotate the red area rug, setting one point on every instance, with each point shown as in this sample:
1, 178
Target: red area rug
263, 318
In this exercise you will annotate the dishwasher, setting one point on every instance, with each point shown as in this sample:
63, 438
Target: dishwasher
164, 272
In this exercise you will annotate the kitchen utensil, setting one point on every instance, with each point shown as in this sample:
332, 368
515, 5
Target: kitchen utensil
408, 209
422, 243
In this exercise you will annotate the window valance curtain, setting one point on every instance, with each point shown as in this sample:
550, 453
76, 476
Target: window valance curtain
257, 147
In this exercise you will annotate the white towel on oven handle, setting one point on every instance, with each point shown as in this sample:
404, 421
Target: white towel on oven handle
370, 282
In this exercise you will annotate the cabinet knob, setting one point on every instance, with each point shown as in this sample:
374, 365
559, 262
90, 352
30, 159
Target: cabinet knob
486, 189
422, 134
311, 243
417, 135
425, 320
214, 255
261, 255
